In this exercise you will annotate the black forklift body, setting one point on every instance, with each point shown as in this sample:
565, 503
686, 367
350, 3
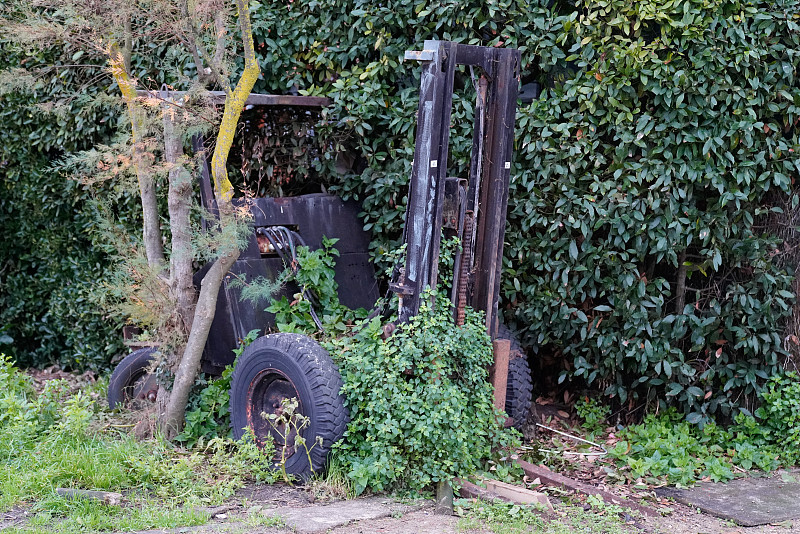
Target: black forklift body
281, 367
312, 217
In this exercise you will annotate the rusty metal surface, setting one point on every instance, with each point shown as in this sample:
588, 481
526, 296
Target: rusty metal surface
463, 266
490, 169
496, 172
422, 231
455, 205
207, 199
499, 372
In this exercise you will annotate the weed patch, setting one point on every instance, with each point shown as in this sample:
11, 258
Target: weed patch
420, 402
507, 518
56, 439
665, 448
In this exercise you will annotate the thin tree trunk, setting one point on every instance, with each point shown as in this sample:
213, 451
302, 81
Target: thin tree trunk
173, 417
179, 202
680, 284
152, 227
172, 420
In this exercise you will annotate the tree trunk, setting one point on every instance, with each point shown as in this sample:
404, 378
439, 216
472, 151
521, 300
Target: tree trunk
147, 190
173, 417
179, 201
172, 420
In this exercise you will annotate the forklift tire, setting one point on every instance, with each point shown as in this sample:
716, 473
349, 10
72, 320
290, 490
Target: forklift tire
284, 366
131, 381
519, 389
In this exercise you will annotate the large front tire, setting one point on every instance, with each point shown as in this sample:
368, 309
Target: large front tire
282, 366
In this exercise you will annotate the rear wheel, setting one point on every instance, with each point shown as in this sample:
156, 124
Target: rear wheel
519, 390
275, 369
131, 384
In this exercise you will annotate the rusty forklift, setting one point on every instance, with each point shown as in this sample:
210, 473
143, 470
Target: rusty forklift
279, 366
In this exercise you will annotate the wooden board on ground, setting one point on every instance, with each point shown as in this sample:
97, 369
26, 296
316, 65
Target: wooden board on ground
496, 490
554, 479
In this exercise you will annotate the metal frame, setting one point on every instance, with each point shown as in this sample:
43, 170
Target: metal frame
487, 188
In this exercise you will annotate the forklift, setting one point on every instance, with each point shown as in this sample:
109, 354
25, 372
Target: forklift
281, 366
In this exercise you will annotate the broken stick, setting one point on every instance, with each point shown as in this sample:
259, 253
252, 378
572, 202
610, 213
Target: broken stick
106, 497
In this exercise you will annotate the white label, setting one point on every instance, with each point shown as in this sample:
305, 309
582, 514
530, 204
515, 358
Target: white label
434, 163
508, 164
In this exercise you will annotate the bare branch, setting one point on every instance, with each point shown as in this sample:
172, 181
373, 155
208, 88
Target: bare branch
219, 34
127, 48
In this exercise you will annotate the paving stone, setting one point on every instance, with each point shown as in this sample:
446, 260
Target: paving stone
321, 518
747, 501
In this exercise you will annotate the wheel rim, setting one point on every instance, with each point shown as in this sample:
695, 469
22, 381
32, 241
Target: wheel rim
141, 390
265, 395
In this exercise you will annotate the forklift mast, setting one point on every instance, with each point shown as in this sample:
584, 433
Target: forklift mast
474, 209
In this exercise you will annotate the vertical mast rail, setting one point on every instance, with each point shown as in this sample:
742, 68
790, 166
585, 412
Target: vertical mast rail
490, 170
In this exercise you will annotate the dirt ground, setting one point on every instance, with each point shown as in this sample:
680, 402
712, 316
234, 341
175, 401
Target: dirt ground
246, 514
421, 519
682, 520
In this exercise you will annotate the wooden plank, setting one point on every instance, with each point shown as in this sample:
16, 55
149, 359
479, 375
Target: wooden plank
473, 491
554, 479
517, 494
499, 372
106, 497
500, 491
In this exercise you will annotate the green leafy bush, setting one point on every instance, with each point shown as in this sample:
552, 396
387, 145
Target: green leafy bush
667, 448
420, 402
780, 414
593, 413
208, 413
316, 276
642, 177
49, 267
641, 187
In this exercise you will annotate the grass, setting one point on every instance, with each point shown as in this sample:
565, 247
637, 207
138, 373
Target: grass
56, 439
507, 518
333, 484
259, 519
55, 514
58, 460
108, 462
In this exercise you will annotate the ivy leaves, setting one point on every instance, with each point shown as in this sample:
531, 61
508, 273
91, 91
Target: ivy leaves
420, 402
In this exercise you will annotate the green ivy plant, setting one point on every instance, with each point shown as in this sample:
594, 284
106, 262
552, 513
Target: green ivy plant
780, 414
593, 413
208, 414
315, 277
666, 448
420, 402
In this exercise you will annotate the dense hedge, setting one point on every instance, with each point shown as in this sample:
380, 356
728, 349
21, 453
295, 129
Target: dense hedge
49, 269
662, 130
